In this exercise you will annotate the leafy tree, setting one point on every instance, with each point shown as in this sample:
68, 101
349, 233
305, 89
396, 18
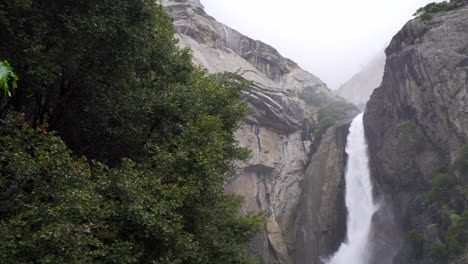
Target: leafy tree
109, 78
48, 206
57, 209
83, 63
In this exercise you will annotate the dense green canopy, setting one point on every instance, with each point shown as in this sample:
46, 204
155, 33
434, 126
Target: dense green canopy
157, 133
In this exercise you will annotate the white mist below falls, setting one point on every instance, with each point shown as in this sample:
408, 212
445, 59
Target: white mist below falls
358, 197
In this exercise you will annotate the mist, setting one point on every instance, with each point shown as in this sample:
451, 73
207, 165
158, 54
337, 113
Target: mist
331, 39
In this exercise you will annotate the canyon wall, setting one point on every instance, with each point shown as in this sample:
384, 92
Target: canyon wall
417, 129
300, 192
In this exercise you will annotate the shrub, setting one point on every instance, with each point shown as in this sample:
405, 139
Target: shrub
416, 241
454, 245
426, 12
439, 249
316, 99
441, 187
331, 114
457, 234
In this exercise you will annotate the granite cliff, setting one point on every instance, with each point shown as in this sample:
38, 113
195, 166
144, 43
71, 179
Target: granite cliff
417, 130
292, 175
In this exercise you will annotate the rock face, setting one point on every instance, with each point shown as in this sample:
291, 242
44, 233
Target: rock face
321, 221
417, 124
279, 132
359, 88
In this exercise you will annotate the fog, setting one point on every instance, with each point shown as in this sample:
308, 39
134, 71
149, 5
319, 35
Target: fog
331, 39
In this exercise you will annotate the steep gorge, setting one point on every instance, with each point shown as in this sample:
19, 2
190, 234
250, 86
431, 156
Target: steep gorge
415, 123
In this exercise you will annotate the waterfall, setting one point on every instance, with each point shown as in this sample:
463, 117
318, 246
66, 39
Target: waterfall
226, 34
358, 196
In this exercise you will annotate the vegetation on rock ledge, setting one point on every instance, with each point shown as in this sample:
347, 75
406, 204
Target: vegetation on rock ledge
333, 113
446, 205
426, 12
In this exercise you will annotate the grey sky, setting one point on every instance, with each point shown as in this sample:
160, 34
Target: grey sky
331, 39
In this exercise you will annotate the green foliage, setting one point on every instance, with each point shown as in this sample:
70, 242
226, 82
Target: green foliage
108, 75
7, 78
445, 192
439, 249
457, 234
416, 241
442, 187
93, 69
316, 99
408, 125
56, 209
48, 203
331, 114
109, 78
426, 12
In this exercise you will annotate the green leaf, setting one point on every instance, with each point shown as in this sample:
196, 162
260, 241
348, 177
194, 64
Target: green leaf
6, 73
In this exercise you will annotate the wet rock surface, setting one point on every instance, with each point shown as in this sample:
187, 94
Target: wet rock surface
416, 125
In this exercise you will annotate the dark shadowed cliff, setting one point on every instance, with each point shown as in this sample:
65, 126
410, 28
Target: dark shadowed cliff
417, 129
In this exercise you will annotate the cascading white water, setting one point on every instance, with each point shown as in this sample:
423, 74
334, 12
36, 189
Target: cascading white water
358, 197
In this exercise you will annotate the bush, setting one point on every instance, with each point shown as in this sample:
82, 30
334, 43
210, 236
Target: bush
439, 249
331, 114
416, 241
457, 234
316, 99
442, 187
426, 12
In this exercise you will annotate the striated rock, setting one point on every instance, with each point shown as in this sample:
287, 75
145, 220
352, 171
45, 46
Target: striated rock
358, 89
279, 131
416, 125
